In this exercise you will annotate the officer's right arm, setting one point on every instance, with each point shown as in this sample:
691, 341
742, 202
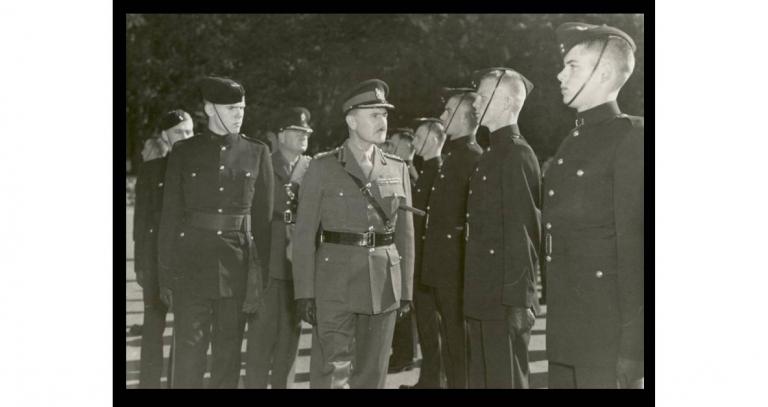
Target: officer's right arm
307, 223
173, 210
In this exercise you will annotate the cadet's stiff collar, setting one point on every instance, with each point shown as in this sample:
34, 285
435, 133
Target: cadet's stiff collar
454, 144
226, 139
598, 114
504, 135
571, 34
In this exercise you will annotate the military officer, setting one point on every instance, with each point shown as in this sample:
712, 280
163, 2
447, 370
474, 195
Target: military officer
500, 300
214, 237
400, 143
352, 283
443, 267
593, 219
273, 332
175, 125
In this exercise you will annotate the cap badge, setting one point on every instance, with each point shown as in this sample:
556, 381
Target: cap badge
581, 28
303, 117
379, 94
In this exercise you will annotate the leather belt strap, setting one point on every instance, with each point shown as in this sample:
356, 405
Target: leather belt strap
219, 222
367, 239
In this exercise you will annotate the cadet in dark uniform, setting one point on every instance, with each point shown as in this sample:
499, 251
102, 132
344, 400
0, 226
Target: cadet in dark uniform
273, 333
428, 141
593, 219
503, 237
352, 284
214, 237
175, 126
400, 143
443, 267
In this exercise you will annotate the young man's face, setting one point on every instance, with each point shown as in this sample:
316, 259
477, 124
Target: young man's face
370, 124
487, 88
228, 118
295, 141
181, 131
401, 147
578, 65
454, 116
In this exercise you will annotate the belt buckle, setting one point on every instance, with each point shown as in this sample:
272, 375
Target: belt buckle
288, 216
370, 239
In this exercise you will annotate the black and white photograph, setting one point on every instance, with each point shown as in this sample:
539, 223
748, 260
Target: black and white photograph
385, 201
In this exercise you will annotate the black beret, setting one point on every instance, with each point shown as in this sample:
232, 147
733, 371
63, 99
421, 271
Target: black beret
295, 118
426, 120
401, 130
498, 72
448, 93
172, 118
572, 34
221, 91
367, 94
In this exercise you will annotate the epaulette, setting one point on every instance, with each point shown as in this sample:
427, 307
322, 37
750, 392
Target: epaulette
327, 153
393, 156
253, 140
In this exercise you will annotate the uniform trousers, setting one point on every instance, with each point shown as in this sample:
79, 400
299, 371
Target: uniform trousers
497, 360
425, 311
355, 347
202, 321
273, 338
453, 335
151, 356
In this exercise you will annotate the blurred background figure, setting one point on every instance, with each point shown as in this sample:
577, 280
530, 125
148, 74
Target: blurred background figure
174, 126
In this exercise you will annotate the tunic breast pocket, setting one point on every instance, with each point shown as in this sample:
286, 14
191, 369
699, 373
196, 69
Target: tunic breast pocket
335, 208
391, 192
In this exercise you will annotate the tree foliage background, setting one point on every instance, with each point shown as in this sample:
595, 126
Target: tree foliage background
310, 60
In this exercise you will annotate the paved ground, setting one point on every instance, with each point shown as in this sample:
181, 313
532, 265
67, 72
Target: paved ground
134, 315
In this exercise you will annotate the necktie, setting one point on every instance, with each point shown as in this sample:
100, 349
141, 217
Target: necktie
366, 165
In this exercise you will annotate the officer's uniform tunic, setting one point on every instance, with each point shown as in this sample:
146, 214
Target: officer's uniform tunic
501, 258
214, 239
443, 267
273, 333
356, 289
146, 228
593, 247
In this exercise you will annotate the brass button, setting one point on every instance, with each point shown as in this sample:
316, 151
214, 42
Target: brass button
181, 234
599, 274
470, 192
551, 192
477, 169
418, 189
448, 236
221, 189
484, 178
427, 207
223, 148
151, 230
160, 184
371, 250
370, 228
370, 206
576, 133
549, 258
221, 167
549, 225
467, 215
442, 176
218, 232
341, 193
287, 202
433, 188
247, 174
559, 161
579, 173
424, 237
194, 174
219, 210
491, 251
326, 259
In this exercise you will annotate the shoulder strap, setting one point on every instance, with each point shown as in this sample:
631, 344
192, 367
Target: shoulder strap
366, 191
